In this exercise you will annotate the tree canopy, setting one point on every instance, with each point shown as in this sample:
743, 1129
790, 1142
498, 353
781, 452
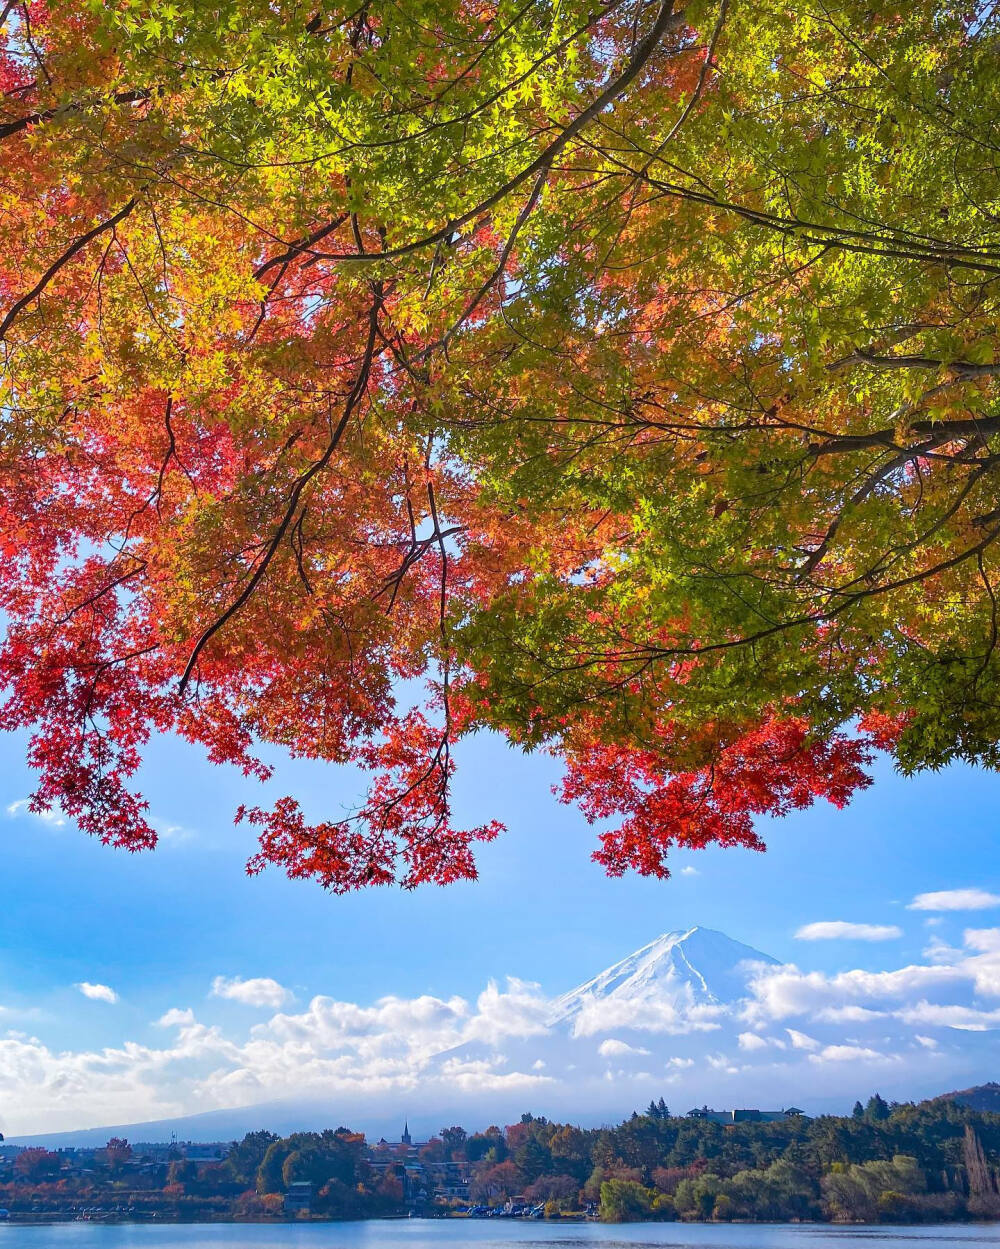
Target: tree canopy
621, 375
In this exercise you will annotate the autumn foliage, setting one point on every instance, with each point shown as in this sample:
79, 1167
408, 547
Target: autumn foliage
621, 376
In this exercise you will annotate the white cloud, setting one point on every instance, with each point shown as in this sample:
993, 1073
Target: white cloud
260, 991
964, 1018
849, 1054
168, 832
690, 871
838, 929
849, 1014
171, 834
751, 1041
719, 1062
98, 992
520, 1011
677, 1016
784, 992
801, 1040
612, 1048
22, 807
986, 940
955, 900
941, 953
176, 1018
481, 1075
420, 1026
959, 989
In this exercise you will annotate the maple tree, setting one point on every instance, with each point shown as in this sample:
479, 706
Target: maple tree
624, 374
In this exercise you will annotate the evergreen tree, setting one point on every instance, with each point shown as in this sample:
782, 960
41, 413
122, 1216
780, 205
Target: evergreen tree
245, 1156
877, 1109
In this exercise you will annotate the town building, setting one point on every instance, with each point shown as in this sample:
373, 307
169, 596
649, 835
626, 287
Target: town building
298, 1198
422, 1178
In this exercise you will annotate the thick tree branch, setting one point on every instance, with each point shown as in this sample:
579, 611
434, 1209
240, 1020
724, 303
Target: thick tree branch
353, 399
64, 259
963, 368
665, 20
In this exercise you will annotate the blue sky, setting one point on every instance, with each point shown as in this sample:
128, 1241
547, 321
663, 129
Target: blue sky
157, 929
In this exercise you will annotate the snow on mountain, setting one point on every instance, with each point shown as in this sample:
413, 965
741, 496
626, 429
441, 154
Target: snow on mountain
684, 969
693, 1016
703, 1018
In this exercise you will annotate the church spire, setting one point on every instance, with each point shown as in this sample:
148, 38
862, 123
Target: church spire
406, 1134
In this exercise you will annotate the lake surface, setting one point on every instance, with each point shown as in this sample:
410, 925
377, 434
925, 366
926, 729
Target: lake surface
472, 1234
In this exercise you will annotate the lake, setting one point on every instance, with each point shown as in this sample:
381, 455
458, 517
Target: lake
471, 1234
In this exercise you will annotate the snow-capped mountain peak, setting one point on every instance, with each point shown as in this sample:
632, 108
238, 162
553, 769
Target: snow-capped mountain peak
695, 966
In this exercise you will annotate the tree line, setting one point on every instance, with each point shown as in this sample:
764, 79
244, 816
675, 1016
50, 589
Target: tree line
932, 1161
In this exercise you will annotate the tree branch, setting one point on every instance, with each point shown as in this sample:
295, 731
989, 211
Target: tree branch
353, 399
64, 259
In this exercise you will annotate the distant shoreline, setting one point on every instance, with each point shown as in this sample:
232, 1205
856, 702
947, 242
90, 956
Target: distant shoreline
51, 1220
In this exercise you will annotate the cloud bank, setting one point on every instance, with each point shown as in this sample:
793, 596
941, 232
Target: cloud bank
920, 1028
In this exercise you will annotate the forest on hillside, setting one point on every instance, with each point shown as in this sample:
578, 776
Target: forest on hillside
932, 1161
929, 1162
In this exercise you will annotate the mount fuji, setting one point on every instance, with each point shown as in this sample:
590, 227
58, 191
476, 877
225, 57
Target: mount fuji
696, 967
699, 1017
693, 1016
